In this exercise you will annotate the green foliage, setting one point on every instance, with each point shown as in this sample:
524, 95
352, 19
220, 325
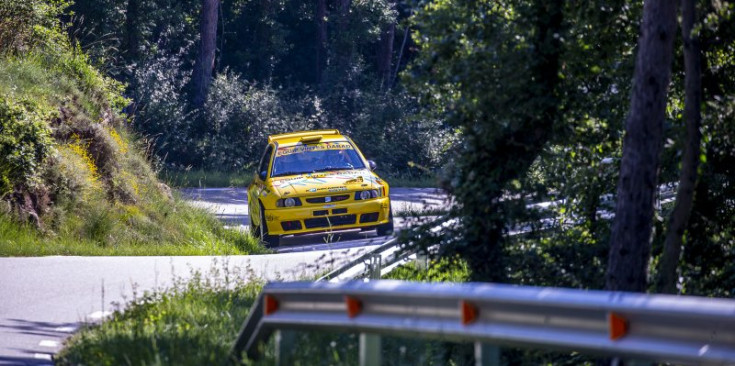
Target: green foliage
24, 144
26, 23
492, 71
268, 81
194, 323
70, 165
439, 270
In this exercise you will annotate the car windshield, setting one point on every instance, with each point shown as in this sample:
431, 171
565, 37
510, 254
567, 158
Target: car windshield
313, 158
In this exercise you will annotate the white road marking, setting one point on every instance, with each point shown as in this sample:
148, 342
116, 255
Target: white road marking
42, 356
48, 343
66, 329
99, 315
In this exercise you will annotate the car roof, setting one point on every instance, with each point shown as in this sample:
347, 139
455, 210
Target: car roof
295, 137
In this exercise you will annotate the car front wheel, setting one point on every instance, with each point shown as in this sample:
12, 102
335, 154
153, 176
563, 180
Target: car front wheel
270, 241
387, 228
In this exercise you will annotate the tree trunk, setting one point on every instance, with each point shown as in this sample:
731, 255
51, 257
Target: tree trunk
400, 57
630, 245
321, 39
690, 159
207, 47
385, 54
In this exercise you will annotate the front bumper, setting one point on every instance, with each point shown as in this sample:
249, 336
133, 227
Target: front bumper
316, 218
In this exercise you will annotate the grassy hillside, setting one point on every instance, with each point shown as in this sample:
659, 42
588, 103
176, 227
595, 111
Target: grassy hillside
73, 179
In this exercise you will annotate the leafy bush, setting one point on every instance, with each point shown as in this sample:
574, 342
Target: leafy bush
239, 116
70, 165
24, 143
22, 22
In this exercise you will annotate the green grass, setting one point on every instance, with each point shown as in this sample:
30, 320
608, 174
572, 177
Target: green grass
102, 197
162, 228
205, 178
194, 323
405, 181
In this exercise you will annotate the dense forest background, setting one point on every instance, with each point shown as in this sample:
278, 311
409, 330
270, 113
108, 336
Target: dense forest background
270, 66
507, 103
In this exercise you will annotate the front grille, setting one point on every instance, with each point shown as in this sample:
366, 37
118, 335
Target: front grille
337, 198
333, 220
339, 211
321, 213
291, 225
369, 217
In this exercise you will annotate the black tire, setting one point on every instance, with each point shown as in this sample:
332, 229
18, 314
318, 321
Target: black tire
254, 230
386, 229
270, 241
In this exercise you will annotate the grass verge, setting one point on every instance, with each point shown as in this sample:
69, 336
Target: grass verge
196, 323
193, 323
162, 228
205, 178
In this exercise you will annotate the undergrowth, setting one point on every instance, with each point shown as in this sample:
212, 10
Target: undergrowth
193, 323
73, 177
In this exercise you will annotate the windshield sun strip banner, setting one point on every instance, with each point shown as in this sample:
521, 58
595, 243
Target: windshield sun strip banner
299, 149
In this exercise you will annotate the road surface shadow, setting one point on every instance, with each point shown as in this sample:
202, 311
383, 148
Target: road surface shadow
28, 354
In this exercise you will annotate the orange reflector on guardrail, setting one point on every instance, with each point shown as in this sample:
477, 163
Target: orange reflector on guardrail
469, 312
270, 305
354, 306
618, 326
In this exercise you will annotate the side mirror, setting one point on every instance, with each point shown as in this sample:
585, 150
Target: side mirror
372, 165
262, 175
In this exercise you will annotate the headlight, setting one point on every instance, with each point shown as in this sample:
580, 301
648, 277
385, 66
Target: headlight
288, 202
365, 195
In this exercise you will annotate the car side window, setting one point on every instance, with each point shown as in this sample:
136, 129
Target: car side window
263, 167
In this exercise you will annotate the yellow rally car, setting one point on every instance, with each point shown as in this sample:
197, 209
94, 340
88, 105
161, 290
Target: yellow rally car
315, 181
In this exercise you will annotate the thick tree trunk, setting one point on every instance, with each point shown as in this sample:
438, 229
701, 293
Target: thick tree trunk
207, 46
690, 159
385, 54
321, 38
630, 245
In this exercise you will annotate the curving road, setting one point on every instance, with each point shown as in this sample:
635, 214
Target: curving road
230, 205
46, 299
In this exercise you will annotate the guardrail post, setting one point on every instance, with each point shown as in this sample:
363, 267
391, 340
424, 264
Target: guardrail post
486, 354
370, 354
285, 341
370, 343
422, 260
376, 265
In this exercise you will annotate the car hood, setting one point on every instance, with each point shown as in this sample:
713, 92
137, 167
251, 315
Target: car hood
327, 182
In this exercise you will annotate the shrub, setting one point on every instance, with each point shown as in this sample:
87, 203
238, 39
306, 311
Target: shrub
238, 118
24, 143
21, 21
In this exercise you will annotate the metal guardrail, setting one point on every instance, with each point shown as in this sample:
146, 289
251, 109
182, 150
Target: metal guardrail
256, 328
361, 265
661, 328
389, 254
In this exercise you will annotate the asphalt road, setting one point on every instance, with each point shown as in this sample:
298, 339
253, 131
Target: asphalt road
230, 205
46, 299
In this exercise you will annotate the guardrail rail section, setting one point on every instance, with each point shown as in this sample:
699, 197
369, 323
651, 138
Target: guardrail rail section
656, 328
